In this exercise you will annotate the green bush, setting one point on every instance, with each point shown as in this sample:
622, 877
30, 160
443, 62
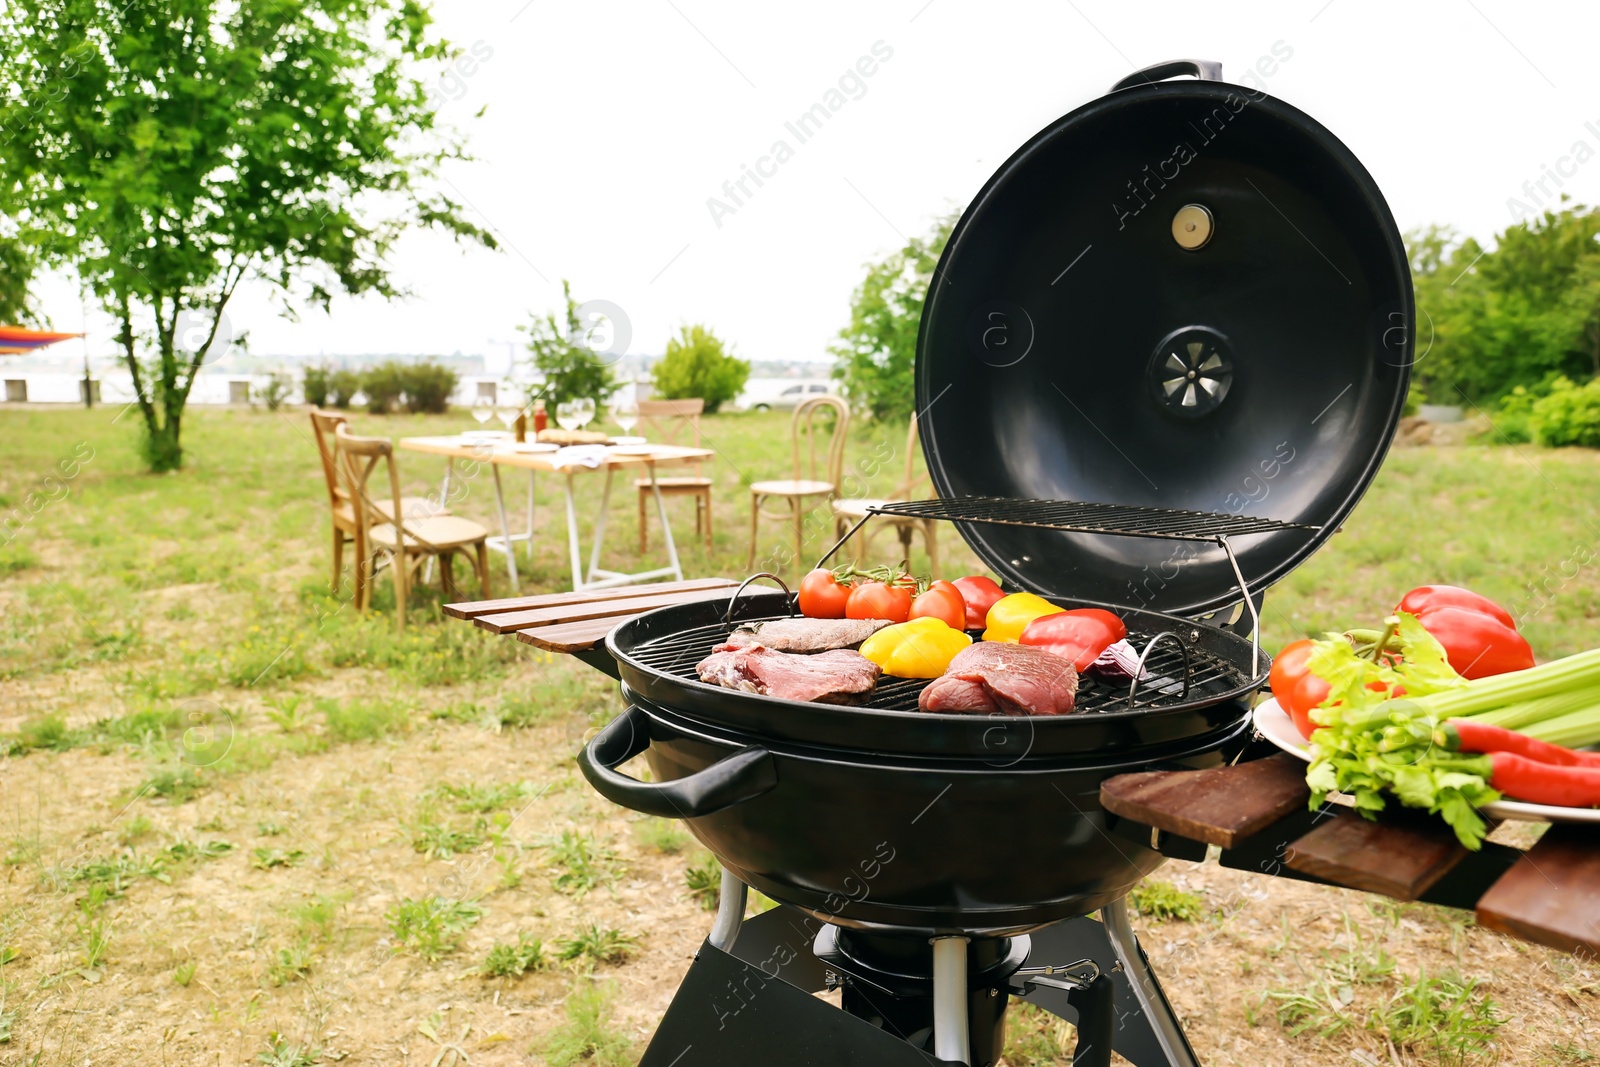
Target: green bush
317, 385
697, 364
427, 387
1569, 415
342, 388
384, 385
275, 391
1513, 421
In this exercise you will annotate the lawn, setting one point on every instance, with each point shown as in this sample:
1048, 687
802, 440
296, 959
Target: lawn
242, 823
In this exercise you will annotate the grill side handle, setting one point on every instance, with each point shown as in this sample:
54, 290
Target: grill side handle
741, 776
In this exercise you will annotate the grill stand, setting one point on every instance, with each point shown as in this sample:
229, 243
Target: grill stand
908, 1002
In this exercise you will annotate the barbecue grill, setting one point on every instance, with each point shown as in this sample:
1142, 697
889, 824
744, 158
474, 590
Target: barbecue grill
1160, 409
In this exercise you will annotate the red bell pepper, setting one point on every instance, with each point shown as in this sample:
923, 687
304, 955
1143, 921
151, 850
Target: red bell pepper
1477, 645
1079, 635
979, 593
1425, 598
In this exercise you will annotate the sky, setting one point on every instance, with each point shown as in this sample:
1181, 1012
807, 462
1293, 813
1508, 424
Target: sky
610, 128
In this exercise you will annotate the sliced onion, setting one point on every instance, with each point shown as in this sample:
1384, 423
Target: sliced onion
1117, 663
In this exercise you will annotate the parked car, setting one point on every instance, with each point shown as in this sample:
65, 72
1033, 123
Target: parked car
792, 395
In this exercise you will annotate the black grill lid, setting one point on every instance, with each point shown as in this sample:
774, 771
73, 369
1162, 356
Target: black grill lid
1181, 295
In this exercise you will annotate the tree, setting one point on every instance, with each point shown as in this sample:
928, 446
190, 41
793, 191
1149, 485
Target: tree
697, 364
876, 354
168, 150
564, 352
1521, 314
16, 273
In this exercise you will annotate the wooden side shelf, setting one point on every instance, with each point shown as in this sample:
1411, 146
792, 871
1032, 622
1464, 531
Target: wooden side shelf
1550, 896
574, 623
1221, 806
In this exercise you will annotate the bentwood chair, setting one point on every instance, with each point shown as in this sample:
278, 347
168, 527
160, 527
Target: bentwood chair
666, 420
324, 424
402, 543
846, 513
816, 473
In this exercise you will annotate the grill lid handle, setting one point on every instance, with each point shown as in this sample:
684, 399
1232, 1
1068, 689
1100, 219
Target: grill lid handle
741, 776
1207, 70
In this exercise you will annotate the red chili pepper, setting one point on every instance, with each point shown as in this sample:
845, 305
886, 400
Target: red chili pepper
1426, 598
979, 593
1464, 735
1476, 644
1545, 783
1079, 635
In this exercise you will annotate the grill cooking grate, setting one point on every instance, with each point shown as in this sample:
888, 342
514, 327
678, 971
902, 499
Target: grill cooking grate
677, 654
1127, 520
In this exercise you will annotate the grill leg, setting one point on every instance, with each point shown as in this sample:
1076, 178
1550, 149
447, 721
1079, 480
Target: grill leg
950, 999
730, 912
1146, 990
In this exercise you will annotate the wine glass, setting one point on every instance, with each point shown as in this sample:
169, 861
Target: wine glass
585, 411
506, 408
567, 415
482, 410
625, 410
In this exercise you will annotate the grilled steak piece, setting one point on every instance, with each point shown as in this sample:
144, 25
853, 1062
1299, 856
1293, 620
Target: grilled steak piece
1014, 679
837, 677
805, 635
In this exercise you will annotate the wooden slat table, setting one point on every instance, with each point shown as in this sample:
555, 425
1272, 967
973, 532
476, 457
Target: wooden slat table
1257, 812
577, 623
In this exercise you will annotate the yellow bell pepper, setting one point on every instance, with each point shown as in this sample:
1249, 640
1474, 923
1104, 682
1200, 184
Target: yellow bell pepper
1010, 615
921, 648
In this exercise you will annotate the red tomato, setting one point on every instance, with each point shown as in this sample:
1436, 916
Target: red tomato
979, 593
1287, 669
942, 601
879, 600
1308, 693
821, 595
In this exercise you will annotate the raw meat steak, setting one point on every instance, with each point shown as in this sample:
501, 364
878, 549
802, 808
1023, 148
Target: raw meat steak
806, 635
837, 677
1015, 679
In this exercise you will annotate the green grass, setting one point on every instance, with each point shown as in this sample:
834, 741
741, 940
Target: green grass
483, 799
1035, 1038
665, 836
581, 862
440, 841
588, 1036
363, 720
1163, 900
703, 878
597, 944
514, 960
290, 964
432, 926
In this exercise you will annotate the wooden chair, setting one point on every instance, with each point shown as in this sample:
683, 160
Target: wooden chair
811, 479
324, 424
665, 420
406, 542
846, 513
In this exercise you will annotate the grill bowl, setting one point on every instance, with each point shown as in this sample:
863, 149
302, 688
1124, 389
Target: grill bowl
887, 819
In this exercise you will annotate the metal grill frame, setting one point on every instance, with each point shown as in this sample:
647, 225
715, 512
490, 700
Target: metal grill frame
1112, 520
678, 653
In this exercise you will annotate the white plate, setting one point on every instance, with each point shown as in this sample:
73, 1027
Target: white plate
1276, 726
483, 435
534, 447
635, 450
629, 440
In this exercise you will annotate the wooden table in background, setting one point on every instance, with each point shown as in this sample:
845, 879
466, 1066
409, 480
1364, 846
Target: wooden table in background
499, 453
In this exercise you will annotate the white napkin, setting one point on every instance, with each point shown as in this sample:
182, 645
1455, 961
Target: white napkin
590, 456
